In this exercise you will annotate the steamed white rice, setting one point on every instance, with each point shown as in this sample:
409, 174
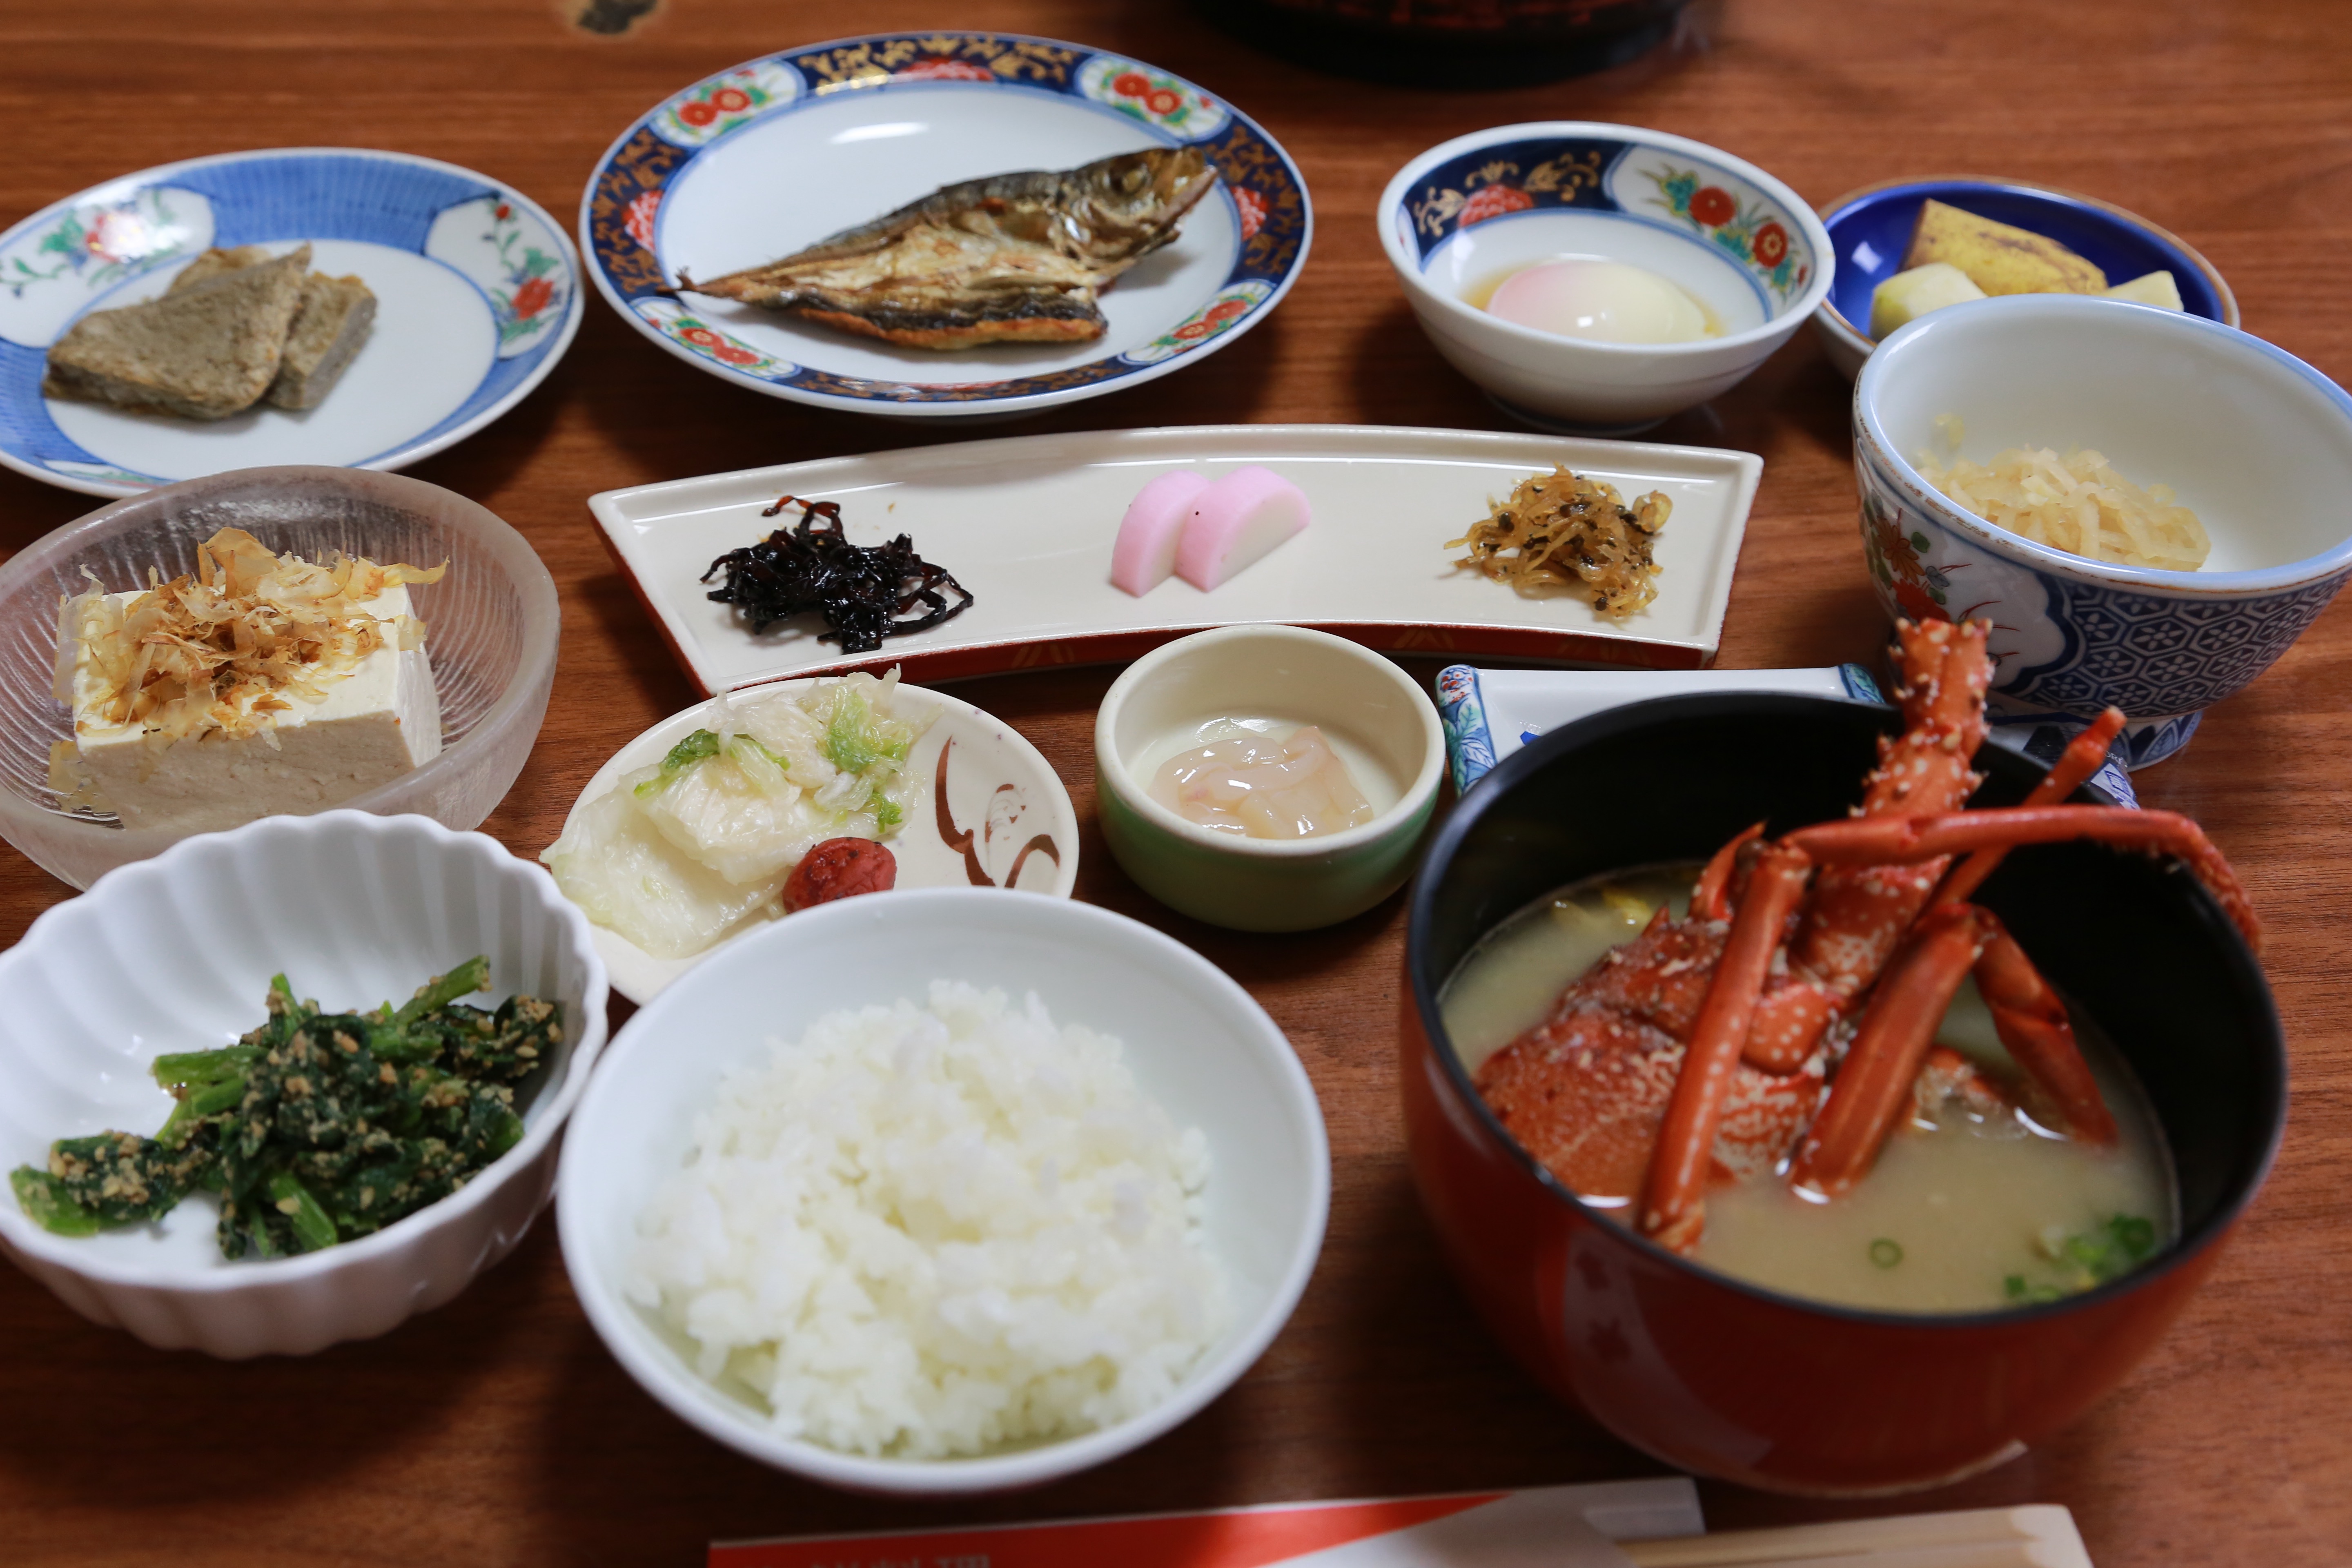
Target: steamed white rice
924, 1232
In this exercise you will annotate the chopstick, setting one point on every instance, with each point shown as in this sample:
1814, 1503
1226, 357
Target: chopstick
2040, 1535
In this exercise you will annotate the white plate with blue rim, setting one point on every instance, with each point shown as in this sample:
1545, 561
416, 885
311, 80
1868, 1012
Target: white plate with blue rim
766, 158
477, 297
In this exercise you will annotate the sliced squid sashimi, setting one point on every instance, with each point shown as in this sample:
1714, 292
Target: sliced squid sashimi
1235, 523
1145, 555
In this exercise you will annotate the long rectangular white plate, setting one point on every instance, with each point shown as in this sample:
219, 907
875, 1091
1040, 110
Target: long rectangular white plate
1028, 525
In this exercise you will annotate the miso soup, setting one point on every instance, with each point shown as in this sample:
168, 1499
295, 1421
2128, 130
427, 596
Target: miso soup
1973, 1210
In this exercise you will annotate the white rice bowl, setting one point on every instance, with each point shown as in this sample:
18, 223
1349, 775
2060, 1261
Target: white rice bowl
1195, 1041
932, 1232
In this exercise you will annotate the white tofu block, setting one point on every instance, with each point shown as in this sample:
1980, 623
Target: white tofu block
371, 726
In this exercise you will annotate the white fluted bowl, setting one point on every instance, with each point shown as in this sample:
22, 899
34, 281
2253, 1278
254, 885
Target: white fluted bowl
175, 954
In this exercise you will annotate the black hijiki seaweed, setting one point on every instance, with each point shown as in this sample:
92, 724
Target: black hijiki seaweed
865, 594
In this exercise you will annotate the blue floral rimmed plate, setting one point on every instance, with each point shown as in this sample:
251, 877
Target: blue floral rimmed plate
477, 297
758, 160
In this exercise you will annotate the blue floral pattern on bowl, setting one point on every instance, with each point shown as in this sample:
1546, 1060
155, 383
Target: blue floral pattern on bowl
57, 262
675, 322
516, 258
1233, 304
2068, 646
1671, 188
100, 245
618, 217
711, 107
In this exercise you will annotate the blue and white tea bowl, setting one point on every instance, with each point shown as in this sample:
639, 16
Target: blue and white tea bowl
1464, 214
2256, 442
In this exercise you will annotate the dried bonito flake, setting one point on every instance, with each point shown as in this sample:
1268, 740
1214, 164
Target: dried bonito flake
224, 648
1563, 530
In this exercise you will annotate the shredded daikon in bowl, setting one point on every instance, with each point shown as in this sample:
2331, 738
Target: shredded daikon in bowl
2077, 503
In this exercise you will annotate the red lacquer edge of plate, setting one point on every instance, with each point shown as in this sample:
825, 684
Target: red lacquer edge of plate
1431, 637
645, 603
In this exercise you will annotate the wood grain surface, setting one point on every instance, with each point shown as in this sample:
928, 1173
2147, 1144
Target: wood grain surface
498, 1431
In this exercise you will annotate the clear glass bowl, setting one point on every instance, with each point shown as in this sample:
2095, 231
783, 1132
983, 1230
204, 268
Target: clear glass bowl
491, 628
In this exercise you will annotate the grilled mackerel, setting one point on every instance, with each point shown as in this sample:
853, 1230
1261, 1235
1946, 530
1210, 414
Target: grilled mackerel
1012, 259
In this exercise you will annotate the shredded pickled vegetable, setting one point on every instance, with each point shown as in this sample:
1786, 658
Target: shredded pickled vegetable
2077, 503
1562, 529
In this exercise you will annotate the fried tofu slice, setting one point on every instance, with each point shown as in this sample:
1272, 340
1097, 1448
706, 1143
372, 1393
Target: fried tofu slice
205, 351
328, 330
329, 326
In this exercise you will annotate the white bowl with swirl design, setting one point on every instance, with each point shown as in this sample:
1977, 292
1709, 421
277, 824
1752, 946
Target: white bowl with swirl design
990, 813
2256, 442
1460, 216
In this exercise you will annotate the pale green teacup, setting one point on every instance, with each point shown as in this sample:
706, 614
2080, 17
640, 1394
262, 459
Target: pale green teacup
1380, 721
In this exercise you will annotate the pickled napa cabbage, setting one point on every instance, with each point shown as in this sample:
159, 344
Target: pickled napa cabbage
679, 854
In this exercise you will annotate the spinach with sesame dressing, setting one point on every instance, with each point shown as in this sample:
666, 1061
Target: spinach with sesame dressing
316, 1127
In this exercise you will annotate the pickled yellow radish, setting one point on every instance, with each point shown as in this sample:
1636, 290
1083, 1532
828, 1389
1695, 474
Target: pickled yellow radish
1257, 786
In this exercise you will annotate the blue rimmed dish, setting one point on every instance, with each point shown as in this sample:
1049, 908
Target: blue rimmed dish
1870, 230
477, 299
2255, 441
1467, 213
770, 156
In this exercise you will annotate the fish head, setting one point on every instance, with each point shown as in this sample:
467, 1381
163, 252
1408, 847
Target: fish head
1130, 203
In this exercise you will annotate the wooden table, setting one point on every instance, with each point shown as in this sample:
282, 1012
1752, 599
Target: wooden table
498, 1430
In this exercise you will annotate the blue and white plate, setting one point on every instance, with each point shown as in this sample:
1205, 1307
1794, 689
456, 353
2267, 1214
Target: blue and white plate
477, 297
762, 159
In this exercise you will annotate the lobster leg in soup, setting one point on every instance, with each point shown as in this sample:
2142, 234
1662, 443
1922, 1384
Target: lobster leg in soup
1717, 1046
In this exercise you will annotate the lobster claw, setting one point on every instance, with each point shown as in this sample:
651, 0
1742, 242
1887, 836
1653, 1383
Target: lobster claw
1950, 941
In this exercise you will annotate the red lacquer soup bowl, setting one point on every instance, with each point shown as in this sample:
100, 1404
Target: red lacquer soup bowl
1748, 1385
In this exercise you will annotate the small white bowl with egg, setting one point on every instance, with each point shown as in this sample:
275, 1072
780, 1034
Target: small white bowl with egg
1648, 272
1010, 1278
175, 954
2252, 441
1253, 687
